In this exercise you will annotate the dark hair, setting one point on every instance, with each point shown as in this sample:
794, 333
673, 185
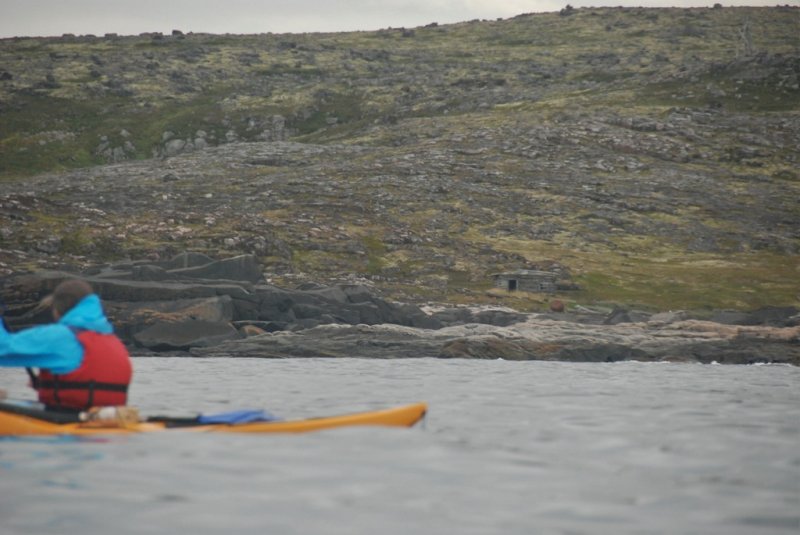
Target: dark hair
69, 293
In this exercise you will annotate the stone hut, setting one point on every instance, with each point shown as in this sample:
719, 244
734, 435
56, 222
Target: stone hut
526, 280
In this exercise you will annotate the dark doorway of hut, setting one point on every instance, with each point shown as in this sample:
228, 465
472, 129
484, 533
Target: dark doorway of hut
512, 285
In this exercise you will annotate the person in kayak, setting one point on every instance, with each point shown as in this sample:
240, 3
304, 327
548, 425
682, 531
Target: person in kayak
81, 361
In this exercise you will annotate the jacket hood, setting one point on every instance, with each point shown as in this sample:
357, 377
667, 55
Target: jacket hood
87, 314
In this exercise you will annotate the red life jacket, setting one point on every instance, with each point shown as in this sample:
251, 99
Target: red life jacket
101, 380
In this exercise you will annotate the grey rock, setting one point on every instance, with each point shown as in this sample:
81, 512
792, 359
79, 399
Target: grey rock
50, 245
149, 273
130, 318
733, 317
774, 316
163, 336
174, 147
239, 268
536, 339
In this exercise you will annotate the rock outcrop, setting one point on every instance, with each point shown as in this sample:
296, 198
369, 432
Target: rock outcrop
205, 307
192, 300
535, 338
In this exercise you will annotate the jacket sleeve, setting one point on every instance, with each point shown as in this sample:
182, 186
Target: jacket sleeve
53, 347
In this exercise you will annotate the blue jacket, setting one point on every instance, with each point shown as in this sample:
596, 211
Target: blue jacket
54, 347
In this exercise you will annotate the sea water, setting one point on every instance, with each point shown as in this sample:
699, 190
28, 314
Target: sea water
507, 448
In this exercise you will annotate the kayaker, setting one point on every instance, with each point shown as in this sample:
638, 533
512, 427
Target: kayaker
81, 361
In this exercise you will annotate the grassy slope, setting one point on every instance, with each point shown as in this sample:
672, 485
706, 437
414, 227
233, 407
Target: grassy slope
442, 84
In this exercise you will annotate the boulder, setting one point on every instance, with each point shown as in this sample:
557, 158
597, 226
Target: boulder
130, 318
169, 336
174, 146
275, 304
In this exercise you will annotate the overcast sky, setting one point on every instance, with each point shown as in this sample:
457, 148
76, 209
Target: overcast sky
131, 17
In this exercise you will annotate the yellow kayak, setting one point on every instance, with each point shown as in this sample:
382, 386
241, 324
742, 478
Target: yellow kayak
20, 420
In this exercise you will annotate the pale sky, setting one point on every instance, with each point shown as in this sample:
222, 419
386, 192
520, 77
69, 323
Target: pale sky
132, 17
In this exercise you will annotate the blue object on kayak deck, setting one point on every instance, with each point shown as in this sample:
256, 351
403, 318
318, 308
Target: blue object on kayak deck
245, 416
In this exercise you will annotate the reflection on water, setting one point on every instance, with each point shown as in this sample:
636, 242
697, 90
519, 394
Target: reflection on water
508, 447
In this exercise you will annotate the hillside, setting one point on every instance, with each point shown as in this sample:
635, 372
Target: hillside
649, 156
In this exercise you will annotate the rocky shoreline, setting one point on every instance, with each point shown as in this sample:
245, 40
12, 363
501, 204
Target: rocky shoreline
193, 305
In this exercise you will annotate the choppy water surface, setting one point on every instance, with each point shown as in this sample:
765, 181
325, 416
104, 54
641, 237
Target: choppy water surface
508, 447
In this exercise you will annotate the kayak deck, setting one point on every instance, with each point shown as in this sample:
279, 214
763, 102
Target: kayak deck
15, 421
